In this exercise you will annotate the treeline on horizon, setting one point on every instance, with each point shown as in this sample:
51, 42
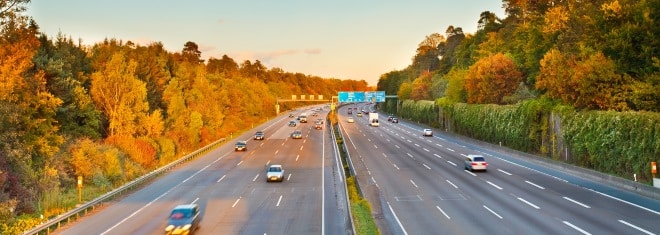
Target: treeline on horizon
114, 110
590, 55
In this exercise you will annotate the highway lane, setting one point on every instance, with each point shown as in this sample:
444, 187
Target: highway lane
232, 192
424, 189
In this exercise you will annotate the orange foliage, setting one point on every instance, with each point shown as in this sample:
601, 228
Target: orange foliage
492, 78
590, 82
138, 150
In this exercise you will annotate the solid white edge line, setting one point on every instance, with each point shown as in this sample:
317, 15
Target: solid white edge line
397, 219
629, 203
635, 227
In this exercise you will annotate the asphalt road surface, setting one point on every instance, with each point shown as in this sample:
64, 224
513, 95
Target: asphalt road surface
419, 185
231, 189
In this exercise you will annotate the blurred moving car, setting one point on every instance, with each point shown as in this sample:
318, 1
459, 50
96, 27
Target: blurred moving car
291, 115
475, 162
427, 132
297, 134
389, 118
184, 219
395, 120
292, 123
240, 146
275, 173
359, 114
318, 125
350, 120
259, 135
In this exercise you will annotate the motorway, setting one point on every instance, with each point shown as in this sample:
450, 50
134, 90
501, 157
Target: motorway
231, 189
418, 185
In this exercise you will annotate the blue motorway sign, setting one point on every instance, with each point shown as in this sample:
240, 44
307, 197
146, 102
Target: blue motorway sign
360, 96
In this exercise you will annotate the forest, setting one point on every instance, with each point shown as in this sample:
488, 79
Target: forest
114, 110
590, 55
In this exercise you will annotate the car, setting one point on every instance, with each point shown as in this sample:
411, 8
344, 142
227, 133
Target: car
359, 114
297, 134
184, 219
350, 120
241, 146
275, 173
395, 120
259, 135
318, 125
320, 120
389, 118
292, 123
475, 162
291, 115
427, 132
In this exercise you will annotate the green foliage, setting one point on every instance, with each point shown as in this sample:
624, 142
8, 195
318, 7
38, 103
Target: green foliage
619, 143
423, 111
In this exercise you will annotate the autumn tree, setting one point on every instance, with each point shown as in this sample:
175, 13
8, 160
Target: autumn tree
405, 91
28, 128
492, 78
118, 93
587, 82
421, 87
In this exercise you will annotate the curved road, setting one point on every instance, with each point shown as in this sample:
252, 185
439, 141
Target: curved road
418, 185
231, 189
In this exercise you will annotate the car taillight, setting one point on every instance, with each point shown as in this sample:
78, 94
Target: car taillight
474, 163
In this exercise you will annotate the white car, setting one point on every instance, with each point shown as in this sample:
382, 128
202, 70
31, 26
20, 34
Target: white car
275, 173
350, 120
427, 132
475, 162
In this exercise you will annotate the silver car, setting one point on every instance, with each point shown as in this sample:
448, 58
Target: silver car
275, 173
427, 132
475, 162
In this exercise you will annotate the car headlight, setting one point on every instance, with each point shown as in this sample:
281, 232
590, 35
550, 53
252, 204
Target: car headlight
169, 228
187, 227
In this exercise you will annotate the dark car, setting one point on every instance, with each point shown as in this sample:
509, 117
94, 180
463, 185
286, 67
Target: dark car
395, 120
292, 123
259, 135
241, 146
184, 219
389, 118
291, 115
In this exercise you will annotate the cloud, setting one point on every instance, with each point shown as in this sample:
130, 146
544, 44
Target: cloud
313, 51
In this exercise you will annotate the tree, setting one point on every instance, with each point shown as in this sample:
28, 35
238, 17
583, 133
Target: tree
404, 91
587, 82
191, 53
491, 79
121, 97
421, 87
456, 85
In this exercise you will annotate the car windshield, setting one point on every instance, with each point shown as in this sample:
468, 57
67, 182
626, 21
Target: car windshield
479, 159
260, 133
181, 214
274, 169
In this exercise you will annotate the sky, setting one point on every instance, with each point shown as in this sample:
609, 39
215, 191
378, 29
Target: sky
343, 39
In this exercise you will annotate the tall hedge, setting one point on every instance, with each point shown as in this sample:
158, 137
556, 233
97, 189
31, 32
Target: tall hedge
618, 143
519, 126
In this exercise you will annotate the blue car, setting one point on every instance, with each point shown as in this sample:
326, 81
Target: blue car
184, 219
